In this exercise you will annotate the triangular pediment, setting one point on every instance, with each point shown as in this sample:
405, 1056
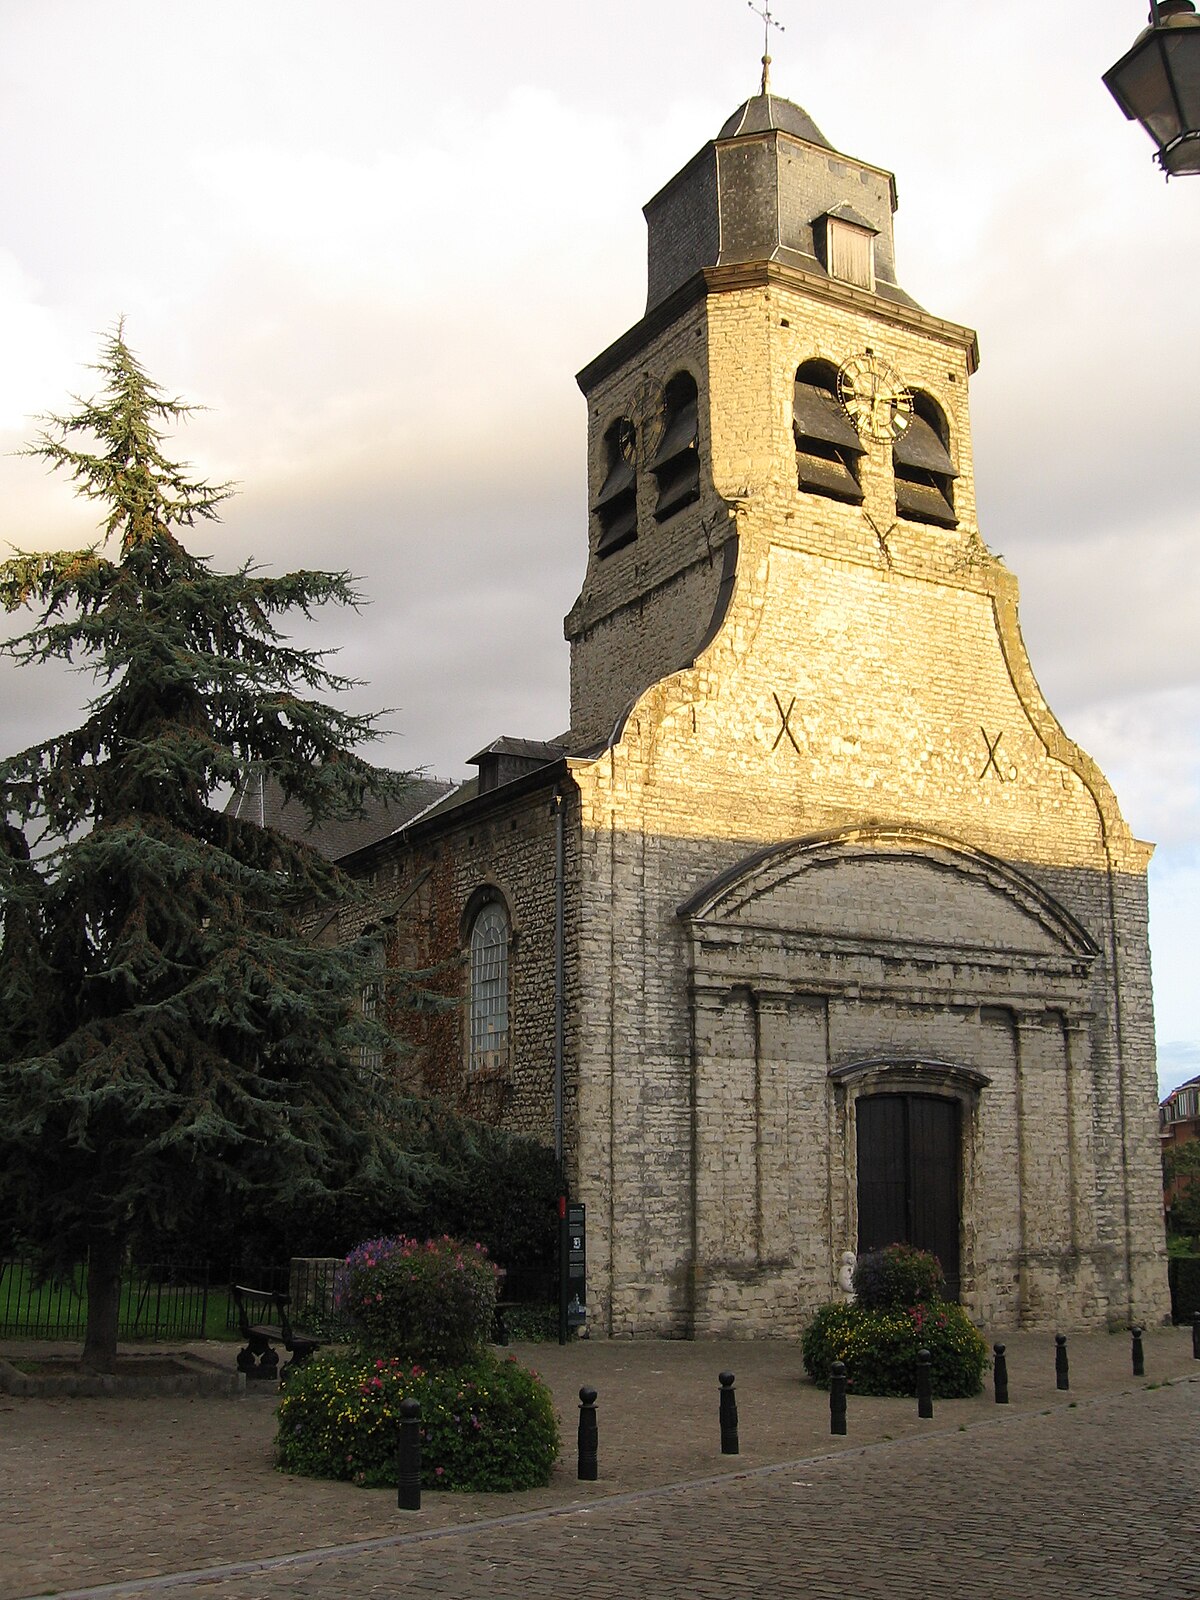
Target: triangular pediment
883, 886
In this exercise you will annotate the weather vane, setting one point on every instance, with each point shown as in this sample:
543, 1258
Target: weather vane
768, 22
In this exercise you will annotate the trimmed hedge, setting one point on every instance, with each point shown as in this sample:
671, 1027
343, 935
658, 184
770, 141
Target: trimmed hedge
488, 1425
879, 1348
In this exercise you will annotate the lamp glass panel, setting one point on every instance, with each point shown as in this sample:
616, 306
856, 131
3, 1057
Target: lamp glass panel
1183, 63
1142, 83
1184, 157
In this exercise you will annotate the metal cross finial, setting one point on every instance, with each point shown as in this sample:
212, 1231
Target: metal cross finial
768, 22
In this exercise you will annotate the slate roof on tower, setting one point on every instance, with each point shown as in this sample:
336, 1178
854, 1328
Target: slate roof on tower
765, 111
763, 191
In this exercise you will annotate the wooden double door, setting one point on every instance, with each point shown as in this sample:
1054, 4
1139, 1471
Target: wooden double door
909, 1176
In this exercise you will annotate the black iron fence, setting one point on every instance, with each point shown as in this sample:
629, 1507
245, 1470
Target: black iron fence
157, 1302
1183, 1276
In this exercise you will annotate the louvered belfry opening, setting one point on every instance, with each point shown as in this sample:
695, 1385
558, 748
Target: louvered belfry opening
828, 447
924, 471
616, 504
676, 464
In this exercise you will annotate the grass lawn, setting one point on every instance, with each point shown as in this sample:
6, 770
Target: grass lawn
149, 1310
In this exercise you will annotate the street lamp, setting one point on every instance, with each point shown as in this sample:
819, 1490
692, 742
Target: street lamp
1158, 83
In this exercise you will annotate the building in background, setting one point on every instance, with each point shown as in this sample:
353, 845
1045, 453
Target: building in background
1178, 1123
826, 930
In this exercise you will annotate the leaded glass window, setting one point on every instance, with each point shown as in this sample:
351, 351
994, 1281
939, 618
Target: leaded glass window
489, 989
370, 1057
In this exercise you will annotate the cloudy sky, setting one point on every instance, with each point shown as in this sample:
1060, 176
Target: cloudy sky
377, 238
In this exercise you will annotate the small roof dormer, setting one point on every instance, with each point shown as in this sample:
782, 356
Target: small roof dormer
505, 760
845, 242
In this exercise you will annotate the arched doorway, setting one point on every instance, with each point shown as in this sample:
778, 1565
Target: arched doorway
908, 1176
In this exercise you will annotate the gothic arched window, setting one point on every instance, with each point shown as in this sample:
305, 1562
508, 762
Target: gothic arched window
488, 994
924, 471
676, 464
828, 446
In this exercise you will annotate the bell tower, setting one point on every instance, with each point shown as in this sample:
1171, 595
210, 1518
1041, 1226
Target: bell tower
779, 372
845, 885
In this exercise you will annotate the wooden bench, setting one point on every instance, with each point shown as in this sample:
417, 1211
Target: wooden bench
260, 1360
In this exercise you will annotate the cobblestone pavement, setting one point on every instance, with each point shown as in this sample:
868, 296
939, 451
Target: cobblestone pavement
1087, 1493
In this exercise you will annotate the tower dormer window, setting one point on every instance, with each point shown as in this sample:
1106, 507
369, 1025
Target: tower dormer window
924, 471
828, 447
616, 504
849, 246
676, 464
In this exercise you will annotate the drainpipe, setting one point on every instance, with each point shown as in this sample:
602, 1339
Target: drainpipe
557, 810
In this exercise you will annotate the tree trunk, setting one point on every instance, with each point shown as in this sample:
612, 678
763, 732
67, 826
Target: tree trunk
106, 1256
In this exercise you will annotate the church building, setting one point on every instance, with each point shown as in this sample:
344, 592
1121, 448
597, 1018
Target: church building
815, 931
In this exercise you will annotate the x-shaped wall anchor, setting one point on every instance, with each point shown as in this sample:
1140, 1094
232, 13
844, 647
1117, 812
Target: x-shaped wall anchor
882, 537
784, 722
991, 765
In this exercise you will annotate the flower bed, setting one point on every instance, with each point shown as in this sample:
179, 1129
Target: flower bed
879, 1348
420, 1315
899, 1311
487, 1425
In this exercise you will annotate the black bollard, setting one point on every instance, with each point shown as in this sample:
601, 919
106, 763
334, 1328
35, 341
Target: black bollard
837, 1397
1139, 1355
1196, 1335
1062, 1372
588, 1436
729, 1420
924, 1384
1000, 1375
408, 1457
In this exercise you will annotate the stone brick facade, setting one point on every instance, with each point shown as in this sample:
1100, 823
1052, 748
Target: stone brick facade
823, 839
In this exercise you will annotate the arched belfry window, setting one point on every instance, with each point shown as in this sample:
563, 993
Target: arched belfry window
924, 471
676, 464
616, 504
488, 997
828, 447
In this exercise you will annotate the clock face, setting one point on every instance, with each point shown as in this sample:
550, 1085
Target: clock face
874, 397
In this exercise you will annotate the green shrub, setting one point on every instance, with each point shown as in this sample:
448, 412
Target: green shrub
879, 1348
533, 1324
488, 1425
496, 1187
431, 1302
444, 1173
458, 1177
898, 1276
